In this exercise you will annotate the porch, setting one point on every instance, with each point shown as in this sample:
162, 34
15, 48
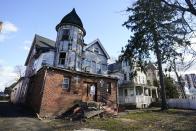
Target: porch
139, 95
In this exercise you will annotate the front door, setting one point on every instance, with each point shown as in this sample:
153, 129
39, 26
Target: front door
91, 91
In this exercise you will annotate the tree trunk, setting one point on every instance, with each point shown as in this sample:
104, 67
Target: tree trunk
163, 96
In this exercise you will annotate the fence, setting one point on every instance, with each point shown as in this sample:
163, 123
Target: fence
182, 103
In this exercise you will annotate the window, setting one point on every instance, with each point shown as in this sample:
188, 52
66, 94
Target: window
88, 63
125, 76
65, 35
69, 46
143, 81
93, 66
109, 88
96, 50
80, 39
62, 57
98, 68
65, 83
130, 76
44, 62
125, 92
104, 67
136, 80
78, 64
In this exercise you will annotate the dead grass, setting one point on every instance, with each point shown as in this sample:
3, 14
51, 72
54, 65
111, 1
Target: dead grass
173, 119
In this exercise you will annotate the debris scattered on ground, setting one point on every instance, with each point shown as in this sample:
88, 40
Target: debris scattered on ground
85, 110
38, 116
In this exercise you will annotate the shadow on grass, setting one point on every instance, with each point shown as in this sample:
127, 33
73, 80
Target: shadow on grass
178, 112
8, 109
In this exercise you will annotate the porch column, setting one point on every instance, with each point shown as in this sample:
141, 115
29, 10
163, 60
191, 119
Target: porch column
143, 90
134, 90
156, 93
151, 92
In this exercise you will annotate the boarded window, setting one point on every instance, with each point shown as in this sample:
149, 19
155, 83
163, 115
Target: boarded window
66, 83
65, 35
62, 57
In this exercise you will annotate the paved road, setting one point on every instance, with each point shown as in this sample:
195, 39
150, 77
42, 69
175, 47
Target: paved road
16, 118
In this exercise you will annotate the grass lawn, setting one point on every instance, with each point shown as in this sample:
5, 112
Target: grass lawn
172, 119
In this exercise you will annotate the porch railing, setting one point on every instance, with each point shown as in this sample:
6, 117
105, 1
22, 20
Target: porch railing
135, 99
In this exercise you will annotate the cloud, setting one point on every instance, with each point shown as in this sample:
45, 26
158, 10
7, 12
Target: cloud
27, 45
7, 76
7, 29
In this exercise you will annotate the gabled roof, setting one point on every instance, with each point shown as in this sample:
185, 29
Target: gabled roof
40, 43
97, 41
115, 67
73, 19
151, 66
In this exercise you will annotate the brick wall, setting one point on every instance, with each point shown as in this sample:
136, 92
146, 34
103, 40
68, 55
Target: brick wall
55, 99
34, 92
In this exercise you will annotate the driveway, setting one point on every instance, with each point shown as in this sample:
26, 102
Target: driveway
16, 118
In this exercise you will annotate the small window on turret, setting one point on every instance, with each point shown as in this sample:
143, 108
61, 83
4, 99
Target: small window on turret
62, 57
65, 35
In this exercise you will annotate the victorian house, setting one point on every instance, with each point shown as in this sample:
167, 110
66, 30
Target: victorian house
60, 72
135, 91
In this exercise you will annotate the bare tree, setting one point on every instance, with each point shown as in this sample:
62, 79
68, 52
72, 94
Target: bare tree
19, 70
183, 5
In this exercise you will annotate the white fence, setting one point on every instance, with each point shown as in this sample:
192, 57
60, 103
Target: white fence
182, 103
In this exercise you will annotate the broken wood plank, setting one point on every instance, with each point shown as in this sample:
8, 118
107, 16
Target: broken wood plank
93, 113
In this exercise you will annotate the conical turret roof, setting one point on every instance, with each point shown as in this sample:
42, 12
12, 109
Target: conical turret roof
72, 19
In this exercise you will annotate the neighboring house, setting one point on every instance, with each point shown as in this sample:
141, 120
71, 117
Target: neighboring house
16, 91
135, 91
60, 72
190, 80
190, 85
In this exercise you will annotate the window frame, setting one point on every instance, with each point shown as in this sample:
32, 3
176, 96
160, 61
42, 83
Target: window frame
109, 88
60, 59
125, 76
67, 83
65, 36
96, 50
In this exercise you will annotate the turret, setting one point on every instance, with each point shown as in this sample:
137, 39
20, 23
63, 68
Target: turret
69, 42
